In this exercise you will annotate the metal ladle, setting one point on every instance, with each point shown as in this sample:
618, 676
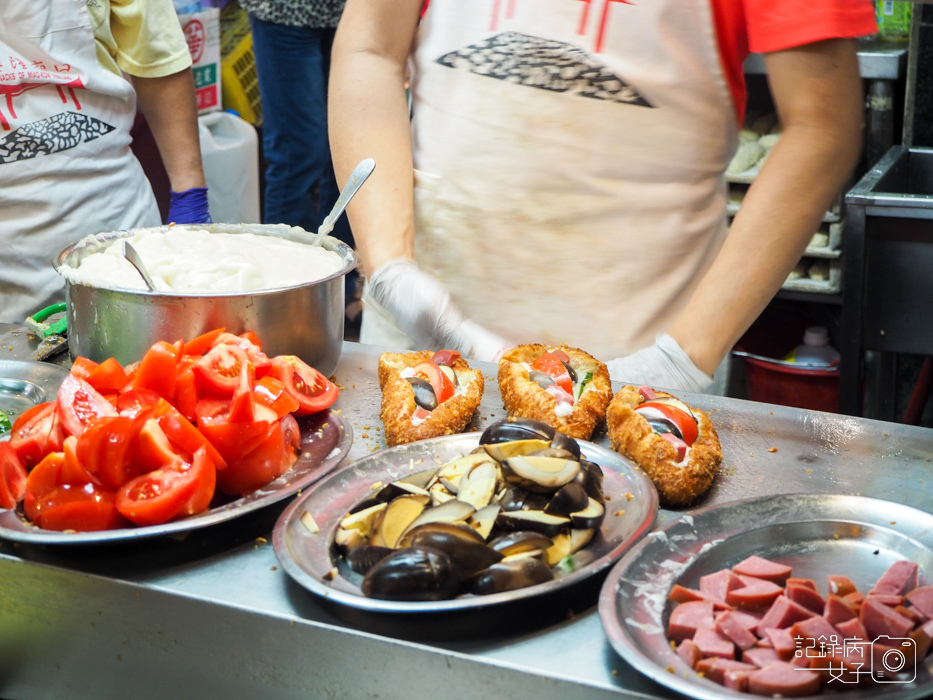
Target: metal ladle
357, 178
129, 252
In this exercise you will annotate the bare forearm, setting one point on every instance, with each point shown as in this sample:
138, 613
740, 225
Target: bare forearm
368, 118
170, 108
782, 210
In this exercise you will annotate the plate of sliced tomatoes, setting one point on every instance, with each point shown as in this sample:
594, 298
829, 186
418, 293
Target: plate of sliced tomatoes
193, 434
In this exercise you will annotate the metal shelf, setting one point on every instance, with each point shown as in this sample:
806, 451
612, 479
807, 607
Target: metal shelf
878, 59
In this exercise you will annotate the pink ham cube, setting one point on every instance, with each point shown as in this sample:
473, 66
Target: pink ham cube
900, 578
780, 678
761, 568
783, 613
756, 594
712, 643
881, 620
687, 618
922, 599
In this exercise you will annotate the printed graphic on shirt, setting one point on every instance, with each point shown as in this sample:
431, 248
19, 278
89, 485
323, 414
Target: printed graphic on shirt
17, 76
543, 63
51, 135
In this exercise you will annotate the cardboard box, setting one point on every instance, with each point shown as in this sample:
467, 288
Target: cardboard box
202, 31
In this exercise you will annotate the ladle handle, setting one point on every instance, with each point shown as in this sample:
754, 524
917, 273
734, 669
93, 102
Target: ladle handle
129, 252
356, 179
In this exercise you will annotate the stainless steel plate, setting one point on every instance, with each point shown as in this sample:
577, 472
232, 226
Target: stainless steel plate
816, 534
325, 441
27, 384
630, 512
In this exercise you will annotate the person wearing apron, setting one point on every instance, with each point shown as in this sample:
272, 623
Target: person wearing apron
568, 162
66, 110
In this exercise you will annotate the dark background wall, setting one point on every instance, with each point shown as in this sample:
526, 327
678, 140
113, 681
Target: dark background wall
923, 106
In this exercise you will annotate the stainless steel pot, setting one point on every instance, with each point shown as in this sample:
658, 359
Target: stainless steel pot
304, 320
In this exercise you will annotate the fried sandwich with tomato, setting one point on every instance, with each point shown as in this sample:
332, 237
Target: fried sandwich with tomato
676, 445
151, 442
427, 394
564, 387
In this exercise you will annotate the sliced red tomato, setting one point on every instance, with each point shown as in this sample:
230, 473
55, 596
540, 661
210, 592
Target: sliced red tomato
108, 377
313, 391
84, 508
202, 470
152, 449
79, 404
552, 364
231, 440
36, 432
133, 402
12, 476
685, 423
158, 496
271, 392
251, 337
73, 471
268, 460
105, 449
203, 343
158, 369
291, 432
248, 343
42, 478
445, 357
242, 409
183, 433
218, 372
82, 367
440, 382
420, 414
186, 392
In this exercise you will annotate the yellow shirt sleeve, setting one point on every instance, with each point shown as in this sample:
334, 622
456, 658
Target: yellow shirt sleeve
140, 37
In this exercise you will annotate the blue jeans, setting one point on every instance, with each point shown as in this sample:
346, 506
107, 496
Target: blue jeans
292, 64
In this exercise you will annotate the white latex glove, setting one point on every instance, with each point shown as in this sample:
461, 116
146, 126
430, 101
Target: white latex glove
422, 308
664, 365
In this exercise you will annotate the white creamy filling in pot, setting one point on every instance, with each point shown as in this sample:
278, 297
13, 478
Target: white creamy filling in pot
188, 260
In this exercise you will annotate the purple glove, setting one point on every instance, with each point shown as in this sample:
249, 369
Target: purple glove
189, 207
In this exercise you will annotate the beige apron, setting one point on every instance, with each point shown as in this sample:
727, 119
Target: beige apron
569, 159
66, 168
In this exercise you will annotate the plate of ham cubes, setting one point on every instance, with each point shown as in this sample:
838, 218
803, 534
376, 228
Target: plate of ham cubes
784, 596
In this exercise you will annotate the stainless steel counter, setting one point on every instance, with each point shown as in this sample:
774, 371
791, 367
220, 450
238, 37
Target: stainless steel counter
213, 615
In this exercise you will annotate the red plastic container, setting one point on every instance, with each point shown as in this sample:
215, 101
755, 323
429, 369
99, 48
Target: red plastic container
785, 385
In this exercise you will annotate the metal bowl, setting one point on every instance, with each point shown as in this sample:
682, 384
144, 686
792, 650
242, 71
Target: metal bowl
304, 320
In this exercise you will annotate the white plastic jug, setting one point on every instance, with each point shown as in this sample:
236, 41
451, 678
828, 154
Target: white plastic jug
230, 151
815, 349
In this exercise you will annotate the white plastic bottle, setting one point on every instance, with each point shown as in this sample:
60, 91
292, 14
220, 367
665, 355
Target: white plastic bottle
815, 349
